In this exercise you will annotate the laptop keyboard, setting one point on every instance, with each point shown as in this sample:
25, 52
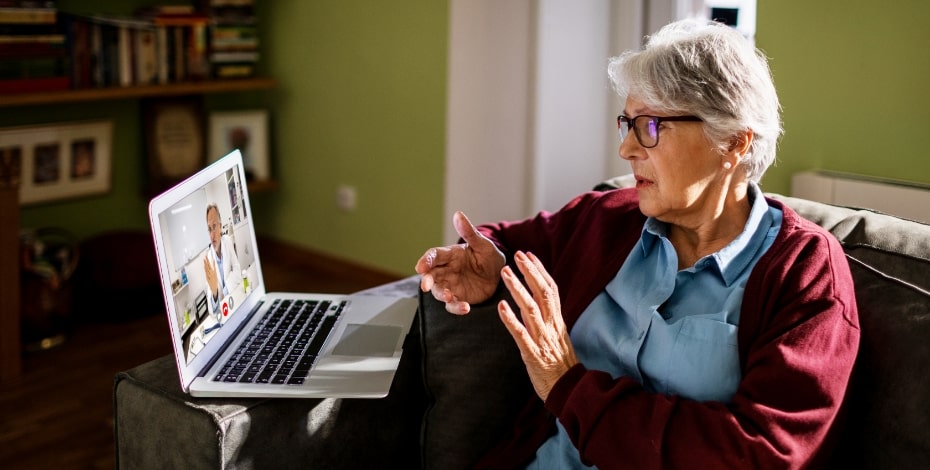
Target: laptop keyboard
283, 346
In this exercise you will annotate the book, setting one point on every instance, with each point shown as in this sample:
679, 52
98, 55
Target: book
38, 29
79, 40
233, 38
178, 46
96, 54
32, 85
32, 38
28, 15
234, 56
233, 15
146, 56
159, 44
109, 54
31, 67
165, 10
180, 20
224, 71
32, 50
198, 66
162, 51
124, 56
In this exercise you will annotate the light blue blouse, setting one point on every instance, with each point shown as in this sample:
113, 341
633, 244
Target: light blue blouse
673, 331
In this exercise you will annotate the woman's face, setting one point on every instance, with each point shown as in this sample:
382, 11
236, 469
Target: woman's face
680, 180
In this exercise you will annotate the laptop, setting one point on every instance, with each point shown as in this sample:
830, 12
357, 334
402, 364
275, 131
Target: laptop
231, 337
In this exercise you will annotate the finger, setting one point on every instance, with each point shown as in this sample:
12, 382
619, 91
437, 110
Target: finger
516, 329
438, 287
458, 307
431, 266
529, 310
438, 257
467, 230
534, 274
427, 282
440, 294
452, 303
426, 262
544, 274
538, 281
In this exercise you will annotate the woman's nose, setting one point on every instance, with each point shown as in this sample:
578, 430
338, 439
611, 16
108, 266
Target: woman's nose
628, 147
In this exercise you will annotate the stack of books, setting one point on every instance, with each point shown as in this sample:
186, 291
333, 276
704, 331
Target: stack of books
33, 52
157, 45
181, 37
43, 48
110, 50
233, 38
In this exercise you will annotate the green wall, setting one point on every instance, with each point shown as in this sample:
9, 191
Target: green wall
361, 102
853, 78
124, 207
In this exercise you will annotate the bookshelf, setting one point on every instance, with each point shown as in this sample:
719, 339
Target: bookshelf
131, 92
10, 340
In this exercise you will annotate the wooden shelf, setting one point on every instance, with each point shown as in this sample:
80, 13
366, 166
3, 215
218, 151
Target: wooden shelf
117, 93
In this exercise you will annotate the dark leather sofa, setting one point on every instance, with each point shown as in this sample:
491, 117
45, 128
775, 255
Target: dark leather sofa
455, 390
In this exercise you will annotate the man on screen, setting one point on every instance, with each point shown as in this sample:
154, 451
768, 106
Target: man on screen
221, 265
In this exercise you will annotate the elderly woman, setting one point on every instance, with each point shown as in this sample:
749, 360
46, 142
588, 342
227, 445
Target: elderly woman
689, 322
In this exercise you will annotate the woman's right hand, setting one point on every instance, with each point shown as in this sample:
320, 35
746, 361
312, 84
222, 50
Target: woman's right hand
463, 274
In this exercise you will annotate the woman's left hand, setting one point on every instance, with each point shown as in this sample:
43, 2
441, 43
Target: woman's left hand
542, 337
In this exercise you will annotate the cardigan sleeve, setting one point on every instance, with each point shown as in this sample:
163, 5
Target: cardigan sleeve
798, 341
582, 245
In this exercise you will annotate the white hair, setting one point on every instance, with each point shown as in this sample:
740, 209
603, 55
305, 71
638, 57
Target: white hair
709, 70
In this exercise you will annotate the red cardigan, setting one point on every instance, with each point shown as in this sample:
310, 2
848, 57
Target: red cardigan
798, 338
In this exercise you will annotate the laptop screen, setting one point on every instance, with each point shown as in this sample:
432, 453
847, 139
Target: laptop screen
210, 257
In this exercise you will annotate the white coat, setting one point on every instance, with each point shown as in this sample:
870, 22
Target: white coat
232, 271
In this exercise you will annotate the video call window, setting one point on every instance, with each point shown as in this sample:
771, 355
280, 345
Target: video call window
210, 254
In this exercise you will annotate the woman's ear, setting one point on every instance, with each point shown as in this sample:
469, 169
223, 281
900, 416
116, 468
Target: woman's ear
741, 143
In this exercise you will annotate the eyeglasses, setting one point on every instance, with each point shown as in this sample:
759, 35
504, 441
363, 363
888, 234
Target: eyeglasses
646, 128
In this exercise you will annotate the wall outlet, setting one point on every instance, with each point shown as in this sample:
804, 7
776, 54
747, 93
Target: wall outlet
346, 198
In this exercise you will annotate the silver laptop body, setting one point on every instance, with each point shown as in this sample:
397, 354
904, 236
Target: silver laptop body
215, 297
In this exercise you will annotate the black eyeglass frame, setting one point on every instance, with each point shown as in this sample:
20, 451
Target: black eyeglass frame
631, 124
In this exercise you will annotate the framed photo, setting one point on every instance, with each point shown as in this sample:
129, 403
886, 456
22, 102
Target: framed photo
57, 161
246, 131
174, 139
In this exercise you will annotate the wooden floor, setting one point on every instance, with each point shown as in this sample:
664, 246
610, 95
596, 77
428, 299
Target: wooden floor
59, 414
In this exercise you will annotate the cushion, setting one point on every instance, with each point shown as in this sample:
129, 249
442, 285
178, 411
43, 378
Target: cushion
889, 423
477, 382
893, 246
474, 378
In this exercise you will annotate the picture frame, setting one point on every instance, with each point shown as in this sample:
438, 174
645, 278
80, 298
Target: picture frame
174, 135
57, 161
246, 130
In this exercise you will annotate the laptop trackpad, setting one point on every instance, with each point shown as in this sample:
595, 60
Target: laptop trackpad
368, 340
